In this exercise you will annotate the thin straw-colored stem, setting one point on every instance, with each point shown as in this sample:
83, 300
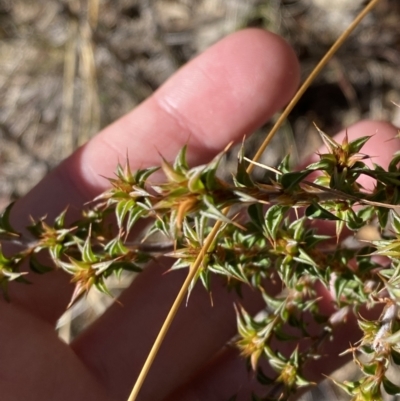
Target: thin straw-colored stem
174, 309
339, 42
194, 268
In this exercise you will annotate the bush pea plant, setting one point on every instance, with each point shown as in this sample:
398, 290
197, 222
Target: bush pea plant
249, 233
273, 244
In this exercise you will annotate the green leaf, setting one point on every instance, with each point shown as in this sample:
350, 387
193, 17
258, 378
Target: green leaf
323, 180
290, 180
396, 196
390, 387
315, 211
366, 213
242, 176
209, 177
195, 184
297, 226
339, 224
255, 212
142, 175
339, 285
213, 212
205, 278
383, 216
122, 208
272, 302
353, 221
180, 163
273, 219
394, 162
173, 175
5, 225
370, 369
395, 356
368, 327
326, 163
88, 255
348, 386
395, 222
284, 165
304, 258
56, 251
102, 287
134, 215
191, 231
356, 145
115, 247
59, 222
4, 261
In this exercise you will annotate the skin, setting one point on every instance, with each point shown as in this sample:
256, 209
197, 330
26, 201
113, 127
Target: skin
222, 95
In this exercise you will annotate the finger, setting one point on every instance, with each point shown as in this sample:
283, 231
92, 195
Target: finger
36, 365
226, 375
223, 378
220, 96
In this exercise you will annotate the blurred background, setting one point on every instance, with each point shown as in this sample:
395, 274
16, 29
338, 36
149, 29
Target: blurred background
70, 67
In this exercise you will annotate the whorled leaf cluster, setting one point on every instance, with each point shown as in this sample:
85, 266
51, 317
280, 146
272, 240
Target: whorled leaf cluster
270, 233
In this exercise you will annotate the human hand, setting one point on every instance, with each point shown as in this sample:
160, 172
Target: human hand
222, 95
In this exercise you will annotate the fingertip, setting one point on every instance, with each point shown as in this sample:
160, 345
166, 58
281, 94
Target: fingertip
254, 73
223, 94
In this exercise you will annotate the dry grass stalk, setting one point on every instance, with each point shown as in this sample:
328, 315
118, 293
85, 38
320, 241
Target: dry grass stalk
79, 61
90, 111
67, 119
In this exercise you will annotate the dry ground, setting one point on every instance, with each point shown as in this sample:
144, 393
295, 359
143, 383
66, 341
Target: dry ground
68, 68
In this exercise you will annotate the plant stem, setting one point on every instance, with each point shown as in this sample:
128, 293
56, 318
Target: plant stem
194, 268
172, 313
335, 47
